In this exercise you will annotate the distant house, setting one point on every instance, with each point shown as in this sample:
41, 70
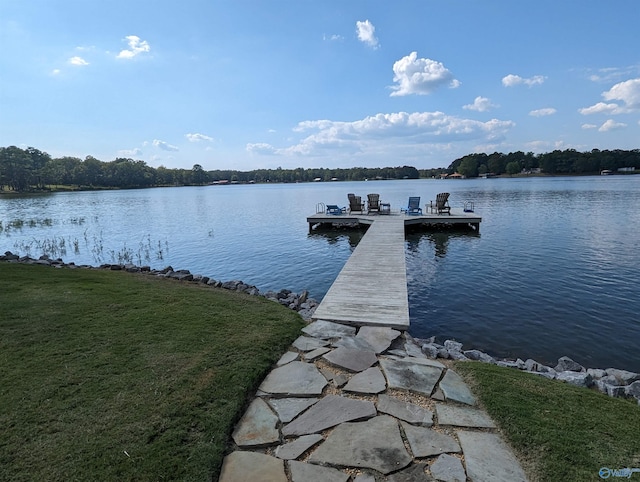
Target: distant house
317, 179
626, 169
456, 175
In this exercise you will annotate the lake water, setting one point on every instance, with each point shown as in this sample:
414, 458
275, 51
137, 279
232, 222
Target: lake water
554, 271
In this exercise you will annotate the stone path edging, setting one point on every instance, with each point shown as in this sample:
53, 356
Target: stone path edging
369, 407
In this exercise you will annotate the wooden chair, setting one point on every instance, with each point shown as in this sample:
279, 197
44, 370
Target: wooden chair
355, 203
441, 204
373, 203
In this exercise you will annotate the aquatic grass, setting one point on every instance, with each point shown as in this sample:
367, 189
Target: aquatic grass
560, 431
113, 376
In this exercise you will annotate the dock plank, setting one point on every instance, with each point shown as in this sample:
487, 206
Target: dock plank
371, 289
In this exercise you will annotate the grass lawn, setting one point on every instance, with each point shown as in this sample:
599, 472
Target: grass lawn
113, 376
561, 432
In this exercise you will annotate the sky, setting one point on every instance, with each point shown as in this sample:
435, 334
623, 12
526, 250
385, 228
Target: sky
264, 84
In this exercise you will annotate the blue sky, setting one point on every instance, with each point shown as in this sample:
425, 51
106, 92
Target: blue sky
324, 83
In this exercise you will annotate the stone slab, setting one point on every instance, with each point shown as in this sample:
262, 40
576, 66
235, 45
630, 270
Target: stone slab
253, 466
307, 343
328, 329
425, 442
287, 358
380, 338
454, 388
354, 343
370, 381
463, 417
410, 376
295, 449
351, 359
289, 408
317, 353
303, 472
294, 379
408, 412
413, 473
257, 427
375, 444
328, 412
448, 469
488, 458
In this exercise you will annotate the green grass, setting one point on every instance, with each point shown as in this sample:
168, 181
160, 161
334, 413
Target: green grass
561, 432
112, 376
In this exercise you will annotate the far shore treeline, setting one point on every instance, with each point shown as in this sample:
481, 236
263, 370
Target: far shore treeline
24, 170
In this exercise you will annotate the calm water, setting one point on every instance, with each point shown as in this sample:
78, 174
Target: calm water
554, 271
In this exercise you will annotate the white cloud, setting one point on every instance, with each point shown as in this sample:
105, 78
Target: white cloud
164, 146
628, 92
610, 125
55, 72
420, 76
366, 33
261, 148
601, 108
383, 132
198, 137
542, 112
480, 104
589, 126
512, 80
333, 38
136, 47
130, 152
79, 61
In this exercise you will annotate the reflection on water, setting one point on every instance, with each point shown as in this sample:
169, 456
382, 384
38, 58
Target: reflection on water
554, 271
336, 235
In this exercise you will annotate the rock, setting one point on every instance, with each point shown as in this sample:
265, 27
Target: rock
507, 364
430, 350
454, 346
379, 338
633, 390
375, 444
448, 469
370, 381
575, 378
463, 416
624, 377
295, 449
487, 457
257, 427
328, 329
413, 473
351, 359
596, 373
289, 408
303, 472
252, 466
567, 364
307, 343
329, 412
478, 355
406, 411
294, 379
288, 357
425, 442
454, 388
410, 376
531, 365
608, 389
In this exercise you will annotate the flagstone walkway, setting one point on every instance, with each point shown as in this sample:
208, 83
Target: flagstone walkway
365, 405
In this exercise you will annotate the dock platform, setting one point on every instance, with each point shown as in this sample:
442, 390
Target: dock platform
371, 288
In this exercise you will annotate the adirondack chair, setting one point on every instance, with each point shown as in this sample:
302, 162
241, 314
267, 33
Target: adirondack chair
441, 204
373, 203
355, 203
413, 207
334, 209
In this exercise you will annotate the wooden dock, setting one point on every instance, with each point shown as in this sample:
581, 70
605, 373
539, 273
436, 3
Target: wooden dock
371, 289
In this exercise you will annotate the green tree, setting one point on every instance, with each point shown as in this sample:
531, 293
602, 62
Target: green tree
468, 167
513, 168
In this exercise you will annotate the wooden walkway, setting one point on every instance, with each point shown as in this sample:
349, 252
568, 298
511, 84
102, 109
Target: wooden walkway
371, 289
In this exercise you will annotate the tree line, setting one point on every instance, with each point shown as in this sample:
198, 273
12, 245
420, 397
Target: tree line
31, 169
567, 162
